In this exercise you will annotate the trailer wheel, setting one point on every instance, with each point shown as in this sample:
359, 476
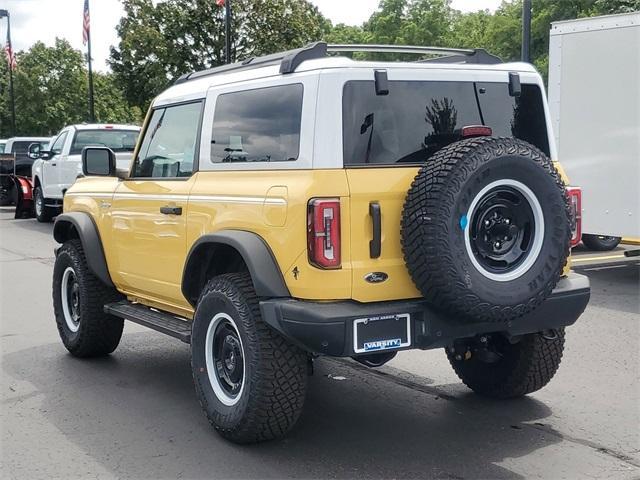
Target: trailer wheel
600, 243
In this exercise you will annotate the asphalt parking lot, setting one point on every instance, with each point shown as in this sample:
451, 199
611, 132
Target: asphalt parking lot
135, 414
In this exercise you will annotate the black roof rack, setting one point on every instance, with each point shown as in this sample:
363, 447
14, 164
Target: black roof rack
291, 59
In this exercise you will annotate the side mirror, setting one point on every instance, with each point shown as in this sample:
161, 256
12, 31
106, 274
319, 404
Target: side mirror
98, 161
34, 151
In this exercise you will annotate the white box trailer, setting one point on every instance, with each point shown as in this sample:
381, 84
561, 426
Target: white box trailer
594, 101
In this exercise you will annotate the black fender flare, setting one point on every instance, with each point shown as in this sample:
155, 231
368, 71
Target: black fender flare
83, 224
263, 268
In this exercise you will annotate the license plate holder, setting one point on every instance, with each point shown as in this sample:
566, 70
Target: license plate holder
381, 333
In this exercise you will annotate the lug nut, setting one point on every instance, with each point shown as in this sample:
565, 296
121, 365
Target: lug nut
507, 221
497, 245
458, 357
483, 339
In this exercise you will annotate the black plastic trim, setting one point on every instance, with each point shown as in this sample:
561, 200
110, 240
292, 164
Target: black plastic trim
90, 239
265, 273
326, 327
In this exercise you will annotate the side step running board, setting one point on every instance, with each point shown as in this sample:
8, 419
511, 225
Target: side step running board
160, 321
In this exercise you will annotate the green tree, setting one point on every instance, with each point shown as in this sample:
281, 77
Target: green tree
51, 88
161, 41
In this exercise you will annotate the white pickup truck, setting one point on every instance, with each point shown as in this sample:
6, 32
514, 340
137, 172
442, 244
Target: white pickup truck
56, 170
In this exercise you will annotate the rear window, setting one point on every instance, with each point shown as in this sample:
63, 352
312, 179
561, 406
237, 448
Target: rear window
261, 125
416, 119
23, 146
116, 140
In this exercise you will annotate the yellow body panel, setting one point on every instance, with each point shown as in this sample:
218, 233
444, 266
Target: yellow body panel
273, 204
146, 250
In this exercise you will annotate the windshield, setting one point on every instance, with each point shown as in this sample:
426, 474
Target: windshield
116, 140
418, 118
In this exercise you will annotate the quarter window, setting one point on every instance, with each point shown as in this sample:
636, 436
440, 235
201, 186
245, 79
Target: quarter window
170, 142
261, 125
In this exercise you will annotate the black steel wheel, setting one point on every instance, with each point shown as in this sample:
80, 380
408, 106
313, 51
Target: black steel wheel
78, 302
485, 229
250, 381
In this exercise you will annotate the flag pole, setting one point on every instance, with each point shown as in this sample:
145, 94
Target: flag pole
10, 63
91, 109
227, 31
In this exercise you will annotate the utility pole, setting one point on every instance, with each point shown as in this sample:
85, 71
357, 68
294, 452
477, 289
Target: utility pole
526, 31
10, 63
227, 31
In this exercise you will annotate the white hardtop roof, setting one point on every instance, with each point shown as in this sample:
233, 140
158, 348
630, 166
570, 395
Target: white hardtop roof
105, 126
602, 22
28, 139
197, 88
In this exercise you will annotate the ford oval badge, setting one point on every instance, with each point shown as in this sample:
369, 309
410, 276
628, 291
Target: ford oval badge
376, 277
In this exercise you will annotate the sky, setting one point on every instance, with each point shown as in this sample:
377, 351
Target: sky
44, 20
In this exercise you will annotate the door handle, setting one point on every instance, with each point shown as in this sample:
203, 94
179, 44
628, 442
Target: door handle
53, 164
375, 245
171, 210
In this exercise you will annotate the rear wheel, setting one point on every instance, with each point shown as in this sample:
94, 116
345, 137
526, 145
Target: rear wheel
495, 367
43, 213
600, 243
250, 381
78, 301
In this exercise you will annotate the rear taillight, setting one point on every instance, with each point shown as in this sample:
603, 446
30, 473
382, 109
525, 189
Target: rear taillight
323, 232
575, 201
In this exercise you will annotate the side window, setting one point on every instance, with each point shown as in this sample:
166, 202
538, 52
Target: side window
56, 148
261, 125
169, 146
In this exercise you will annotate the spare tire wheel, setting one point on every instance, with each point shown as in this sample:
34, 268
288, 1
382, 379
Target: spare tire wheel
485, 229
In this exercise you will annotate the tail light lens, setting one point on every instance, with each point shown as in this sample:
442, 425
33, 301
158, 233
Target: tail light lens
575, 200
323, 232
476, 131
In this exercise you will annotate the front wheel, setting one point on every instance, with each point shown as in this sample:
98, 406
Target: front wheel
250, 381
43, 213
495, 367
78, 301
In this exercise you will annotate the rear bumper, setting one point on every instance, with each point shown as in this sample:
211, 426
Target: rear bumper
327, 328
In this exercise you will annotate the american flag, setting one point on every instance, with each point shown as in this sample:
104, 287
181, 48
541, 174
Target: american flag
11, 56
86, 23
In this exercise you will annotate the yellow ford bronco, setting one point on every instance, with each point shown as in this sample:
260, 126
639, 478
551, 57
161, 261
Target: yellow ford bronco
305, 204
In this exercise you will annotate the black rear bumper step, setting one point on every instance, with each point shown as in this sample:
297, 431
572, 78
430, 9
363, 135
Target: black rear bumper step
160, 321
327, 327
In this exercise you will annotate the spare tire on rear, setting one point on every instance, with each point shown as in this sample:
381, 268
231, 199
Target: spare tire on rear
485, 229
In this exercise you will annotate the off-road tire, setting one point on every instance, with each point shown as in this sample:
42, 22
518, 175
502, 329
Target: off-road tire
600, 243
433, 237
525, 367
43, 213
98, 333
275, 371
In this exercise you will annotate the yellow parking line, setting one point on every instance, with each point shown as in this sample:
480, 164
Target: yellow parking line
586, 259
